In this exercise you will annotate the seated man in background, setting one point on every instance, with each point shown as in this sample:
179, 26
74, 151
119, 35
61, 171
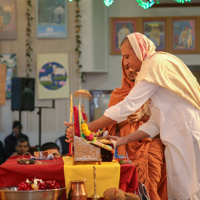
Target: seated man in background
64, 146
51, 148
22, 147
140, 152
12, 139
2, 154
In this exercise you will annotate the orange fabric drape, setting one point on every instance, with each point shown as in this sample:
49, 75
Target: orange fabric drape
147, 154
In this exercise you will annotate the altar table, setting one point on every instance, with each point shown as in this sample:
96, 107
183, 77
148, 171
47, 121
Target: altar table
13, 173
107, 175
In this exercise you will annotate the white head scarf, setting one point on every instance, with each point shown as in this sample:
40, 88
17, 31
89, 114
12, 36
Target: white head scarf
142, 46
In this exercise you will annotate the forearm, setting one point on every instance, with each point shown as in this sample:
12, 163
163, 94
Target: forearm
135, 136
101, 123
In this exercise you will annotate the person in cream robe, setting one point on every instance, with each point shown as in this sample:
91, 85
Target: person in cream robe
171, 92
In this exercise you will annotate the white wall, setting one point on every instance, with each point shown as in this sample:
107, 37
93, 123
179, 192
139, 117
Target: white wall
52, 119
130, 8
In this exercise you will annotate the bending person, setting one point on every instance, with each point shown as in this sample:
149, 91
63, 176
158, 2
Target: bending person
168, 88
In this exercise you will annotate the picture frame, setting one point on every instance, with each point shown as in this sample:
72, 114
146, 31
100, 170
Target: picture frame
8, 24
10, 60
99, 103
119, 28
51, 19
184, 32
52, 76
156, 29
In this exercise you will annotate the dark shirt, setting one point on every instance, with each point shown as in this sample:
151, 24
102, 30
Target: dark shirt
10, 143
2, 154
65, 145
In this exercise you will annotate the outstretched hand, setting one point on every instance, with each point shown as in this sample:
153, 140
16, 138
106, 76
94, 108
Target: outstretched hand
69, 132
109, 137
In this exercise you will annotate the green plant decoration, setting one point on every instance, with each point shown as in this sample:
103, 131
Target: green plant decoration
28, 38
78, 40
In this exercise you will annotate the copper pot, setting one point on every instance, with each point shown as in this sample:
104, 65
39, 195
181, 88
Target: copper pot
77, 191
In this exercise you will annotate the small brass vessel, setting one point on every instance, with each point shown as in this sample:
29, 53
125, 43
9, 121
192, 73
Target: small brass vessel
77, 191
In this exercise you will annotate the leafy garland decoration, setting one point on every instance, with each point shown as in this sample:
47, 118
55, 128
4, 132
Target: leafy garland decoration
28, 38
78, 39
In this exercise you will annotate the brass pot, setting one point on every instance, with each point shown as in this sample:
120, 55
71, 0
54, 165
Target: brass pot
77, 191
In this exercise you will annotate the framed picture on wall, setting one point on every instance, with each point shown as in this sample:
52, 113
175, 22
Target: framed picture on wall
155, 28
184, 35
51, 19
8, 27
119, 29
10, 60
52, 76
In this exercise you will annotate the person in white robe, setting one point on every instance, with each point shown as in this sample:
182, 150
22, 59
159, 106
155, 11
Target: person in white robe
168, 89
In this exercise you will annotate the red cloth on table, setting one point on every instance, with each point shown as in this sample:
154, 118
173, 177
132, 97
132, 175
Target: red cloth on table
13, 173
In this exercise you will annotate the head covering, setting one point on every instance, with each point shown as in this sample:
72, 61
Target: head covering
142, 46
120, 93
164, 69
17, 123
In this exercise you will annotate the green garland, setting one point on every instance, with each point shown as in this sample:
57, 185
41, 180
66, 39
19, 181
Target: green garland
78, 40
28, 38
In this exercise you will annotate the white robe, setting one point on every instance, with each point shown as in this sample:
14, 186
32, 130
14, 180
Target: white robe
178, 123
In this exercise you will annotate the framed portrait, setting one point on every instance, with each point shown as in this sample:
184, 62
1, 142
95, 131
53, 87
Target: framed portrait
51, 19
10, 60
99, 103
155, 28
52, 76
184, 35
8, 27
119, 29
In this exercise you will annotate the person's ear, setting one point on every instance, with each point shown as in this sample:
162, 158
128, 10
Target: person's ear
16, 148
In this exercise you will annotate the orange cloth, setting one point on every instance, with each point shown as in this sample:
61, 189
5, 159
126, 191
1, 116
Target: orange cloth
147, 153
